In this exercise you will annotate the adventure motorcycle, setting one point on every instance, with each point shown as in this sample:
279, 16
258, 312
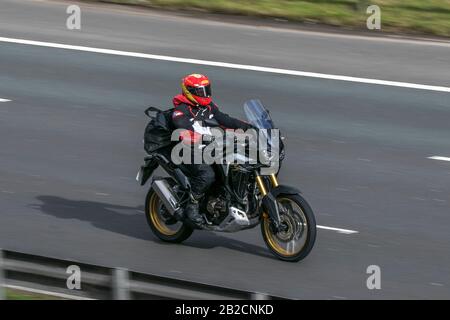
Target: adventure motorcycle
241, 198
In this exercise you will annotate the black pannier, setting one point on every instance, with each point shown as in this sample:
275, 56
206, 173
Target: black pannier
159, 130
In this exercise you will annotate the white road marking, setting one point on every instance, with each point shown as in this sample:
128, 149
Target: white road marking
418, 41
228, 65
339, 230
436, 284
4, 100
439, 158
48, 293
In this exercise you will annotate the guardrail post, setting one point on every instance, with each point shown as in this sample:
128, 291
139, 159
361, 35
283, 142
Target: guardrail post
2, 277
259, 296
121, 284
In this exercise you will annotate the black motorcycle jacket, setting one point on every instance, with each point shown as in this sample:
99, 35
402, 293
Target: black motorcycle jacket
185, 114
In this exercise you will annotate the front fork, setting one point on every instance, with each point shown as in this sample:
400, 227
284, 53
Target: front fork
262, 185
269, 201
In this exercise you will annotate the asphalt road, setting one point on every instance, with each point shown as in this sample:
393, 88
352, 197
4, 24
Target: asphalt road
71, 144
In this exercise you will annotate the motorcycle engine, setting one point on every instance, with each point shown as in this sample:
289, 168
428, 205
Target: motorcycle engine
216, 207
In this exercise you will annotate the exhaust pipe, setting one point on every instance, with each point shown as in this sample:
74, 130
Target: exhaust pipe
166, 194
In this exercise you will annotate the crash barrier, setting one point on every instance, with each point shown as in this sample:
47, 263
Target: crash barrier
76, 280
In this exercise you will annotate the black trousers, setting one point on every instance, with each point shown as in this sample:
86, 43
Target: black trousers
201, 177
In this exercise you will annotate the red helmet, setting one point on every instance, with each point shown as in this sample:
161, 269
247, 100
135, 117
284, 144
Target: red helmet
197, 88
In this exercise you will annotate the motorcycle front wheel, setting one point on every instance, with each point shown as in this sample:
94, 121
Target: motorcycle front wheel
161, 222
297, 239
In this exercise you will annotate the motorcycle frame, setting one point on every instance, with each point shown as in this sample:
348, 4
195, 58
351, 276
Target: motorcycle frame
268, 186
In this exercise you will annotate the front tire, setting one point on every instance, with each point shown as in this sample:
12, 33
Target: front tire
296, 242
168, 232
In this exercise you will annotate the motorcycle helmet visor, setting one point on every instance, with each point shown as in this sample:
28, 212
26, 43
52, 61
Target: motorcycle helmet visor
201, 91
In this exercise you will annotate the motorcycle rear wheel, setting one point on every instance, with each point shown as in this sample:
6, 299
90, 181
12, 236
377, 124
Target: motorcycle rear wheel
168, 232
297, 241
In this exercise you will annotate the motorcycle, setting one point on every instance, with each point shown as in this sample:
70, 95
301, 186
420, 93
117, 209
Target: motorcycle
242, 197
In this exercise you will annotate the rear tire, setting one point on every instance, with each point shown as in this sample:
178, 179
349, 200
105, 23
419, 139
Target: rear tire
167, 233
305, 218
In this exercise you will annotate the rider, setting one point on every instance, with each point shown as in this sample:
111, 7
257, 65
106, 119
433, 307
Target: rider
192, 108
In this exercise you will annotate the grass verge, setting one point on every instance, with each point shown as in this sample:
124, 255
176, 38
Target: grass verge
13, 294
411, 17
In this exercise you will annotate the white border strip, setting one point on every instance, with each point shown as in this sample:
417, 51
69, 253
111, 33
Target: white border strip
4, 100
339, 230
228, 65
439, 158
48, 293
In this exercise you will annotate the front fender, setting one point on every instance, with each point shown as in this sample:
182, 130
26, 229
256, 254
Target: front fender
270, 205
281, 189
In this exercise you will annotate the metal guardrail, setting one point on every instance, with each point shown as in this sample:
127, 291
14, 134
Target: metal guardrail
98, 282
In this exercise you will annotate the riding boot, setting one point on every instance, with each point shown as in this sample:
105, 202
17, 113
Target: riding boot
192, 212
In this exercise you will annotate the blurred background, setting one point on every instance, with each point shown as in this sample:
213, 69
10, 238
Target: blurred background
411, 17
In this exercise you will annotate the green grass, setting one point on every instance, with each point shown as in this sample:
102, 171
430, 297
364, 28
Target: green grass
406, 16
22, 295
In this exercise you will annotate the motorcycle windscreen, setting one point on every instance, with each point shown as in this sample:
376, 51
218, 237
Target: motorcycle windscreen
257, 115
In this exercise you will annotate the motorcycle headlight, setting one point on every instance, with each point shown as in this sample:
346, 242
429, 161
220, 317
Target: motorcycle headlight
266, 156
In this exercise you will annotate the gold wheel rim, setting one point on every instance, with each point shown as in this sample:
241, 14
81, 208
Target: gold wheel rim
156, 218
273, 243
